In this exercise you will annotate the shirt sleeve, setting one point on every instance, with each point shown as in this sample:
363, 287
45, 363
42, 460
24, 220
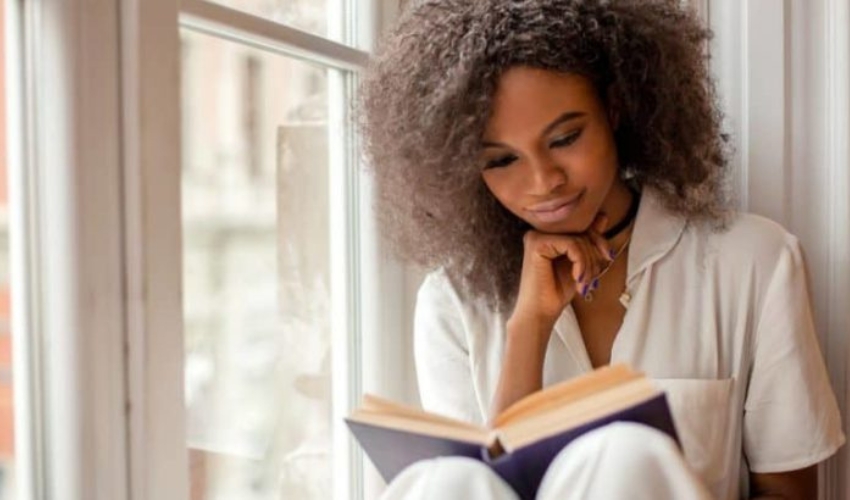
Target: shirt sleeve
791, 418
443, 367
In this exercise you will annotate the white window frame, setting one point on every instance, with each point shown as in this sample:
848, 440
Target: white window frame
65, 228
97, 245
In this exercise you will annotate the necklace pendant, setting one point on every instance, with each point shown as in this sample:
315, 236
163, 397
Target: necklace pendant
588, 297
625, 299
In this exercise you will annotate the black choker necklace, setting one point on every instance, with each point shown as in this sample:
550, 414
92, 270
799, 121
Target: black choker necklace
627, 220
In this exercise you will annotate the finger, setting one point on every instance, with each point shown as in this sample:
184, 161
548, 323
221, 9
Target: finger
601, 245
579, 269
591, 268
595, 261
563, 274
586, 260
554, 246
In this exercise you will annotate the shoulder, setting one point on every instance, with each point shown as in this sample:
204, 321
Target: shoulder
443, 304
748, 241
439, 301
437, 289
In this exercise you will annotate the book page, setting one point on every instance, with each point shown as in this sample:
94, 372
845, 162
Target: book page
566, 392
376, 405
437, 429
562, 418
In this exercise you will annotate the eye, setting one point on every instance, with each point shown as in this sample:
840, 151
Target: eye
566, 140
503, 161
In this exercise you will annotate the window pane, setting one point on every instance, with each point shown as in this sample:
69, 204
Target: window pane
320, 17
7, 472
256, 259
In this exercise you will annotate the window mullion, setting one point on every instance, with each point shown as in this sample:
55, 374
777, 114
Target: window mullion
152, 242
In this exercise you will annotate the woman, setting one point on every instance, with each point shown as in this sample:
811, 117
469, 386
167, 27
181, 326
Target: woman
559, 165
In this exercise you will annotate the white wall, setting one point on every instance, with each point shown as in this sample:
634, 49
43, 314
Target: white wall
782, 68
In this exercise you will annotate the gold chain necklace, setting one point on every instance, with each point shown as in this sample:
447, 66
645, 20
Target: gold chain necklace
588, 297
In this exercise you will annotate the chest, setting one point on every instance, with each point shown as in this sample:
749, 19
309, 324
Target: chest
599, 323
599, 320
680, 328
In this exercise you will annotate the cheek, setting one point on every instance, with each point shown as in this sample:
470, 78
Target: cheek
503, 185
497, 182
592, 161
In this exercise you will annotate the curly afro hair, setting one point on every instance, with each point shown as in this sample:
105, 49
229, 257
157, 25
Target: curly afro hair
425, 100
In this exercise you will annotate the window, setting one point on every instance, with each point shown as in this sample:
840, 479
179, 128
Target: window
270, 242
321, 17
256, 260
192, 315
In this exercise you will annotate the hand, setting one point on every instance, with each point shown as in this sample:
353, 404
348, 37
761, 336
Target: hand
554, 268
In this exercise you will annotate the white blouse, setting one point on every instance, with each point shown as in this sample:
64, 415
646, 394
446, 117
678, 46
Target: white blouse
720, 320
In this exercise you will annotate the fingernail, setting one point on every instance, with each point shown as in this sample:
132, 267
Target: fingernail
581, 277
595, 284
584, 290
612, 254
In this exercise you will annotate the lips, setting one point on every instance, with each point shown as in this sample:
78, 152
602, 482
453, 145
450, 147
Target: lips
555, 210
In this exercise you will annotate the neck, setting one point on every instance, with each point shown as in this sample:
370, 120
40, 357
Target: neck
616, 207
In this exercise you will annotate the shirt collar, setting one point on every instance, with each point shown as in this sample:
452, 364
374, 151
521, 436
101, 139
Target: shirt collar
657, 230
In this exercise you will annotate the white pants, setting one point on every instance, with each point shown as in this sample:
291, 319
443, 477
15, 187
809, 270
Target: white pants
618, 461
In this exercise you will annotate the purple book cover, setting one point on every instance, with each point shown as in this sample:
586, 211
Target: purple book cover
393, 450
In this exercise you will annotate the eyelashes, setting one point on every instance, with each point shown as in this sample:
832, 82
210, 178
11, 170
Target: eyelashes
566, 140
561, 142
500, 162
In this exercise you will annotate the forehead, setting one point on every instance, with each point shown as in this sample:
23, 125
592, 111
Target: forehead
531, 97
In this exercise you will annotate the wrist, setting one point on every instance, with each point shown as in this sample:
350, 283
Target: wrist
526, 325
529, 332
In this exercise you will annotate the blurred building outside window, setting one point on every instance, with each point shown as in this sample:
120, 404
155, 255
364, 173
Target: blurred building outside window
256, 265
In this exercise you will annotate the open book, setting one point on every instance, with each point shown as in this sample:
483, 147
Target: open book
524, 438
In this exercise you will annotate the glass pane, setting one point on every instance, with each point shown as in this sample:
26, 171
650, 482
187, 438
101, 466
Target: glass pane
7, 452
320, 17
256, 259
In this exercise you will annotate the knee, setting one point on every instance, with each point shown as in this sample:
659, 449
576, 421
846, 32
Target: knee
628, 443
451, 472
463, 477
637, 435
621, 460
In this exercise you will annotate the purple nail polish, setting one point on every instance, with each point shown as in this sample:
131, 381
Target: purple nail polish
595, 284
612, 254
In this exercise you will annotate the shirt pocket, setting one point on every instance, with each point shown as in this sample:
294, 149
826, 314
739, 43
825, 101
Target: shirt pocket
700, 410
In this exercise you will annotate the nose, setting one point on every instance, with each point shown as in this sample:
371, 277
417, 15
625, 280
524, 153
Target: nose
546, 176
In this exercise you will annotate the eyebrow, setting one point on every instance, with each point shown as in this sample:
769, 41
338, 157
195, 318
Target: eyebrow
565, 117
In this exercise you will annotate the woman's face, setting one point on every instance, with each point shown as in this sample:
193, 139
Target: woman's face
549, 154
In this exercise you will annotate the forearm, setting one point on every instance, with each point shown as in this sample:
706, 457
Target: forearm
522, 363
